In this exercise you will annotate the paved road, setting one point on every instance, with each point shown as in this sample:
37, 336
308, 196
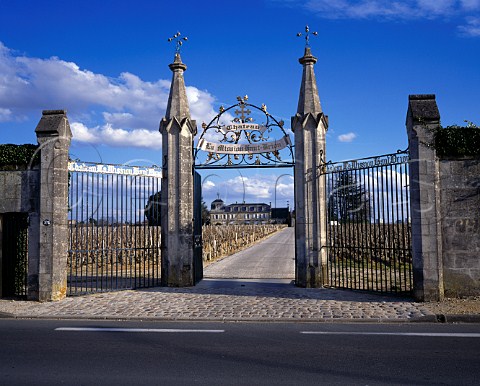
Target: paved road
175, 353
274, 258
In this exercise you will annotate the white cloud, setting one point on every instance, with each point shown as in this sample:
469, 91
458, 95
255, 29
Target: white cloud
349, 137
258, 188
470, 4
208, 185
407, 9
284, 189
122, 111
393, 10
253, 186
82, 133
437, 7
108, 135
5, 115
471, 28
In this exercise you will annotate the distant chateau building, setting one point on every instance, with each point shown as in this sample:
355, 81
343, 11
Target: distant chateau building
247, 214
239, 214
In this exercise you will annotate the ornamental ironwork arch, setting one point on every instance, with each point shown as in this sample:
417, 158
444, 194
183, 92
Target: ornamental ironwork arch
241, 136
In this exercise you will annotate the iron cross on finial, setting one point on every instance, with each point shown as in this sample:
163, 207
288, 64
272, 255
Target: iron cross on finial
243, 112
178, 41
307, 35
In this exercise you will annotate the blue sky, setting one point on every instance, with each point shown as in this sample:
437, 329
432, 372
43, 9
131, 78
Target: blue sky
106, 63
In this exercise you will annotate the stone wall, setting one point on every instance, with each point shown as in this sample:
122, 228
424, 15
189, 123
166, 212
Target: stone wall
445, 204
42, 192
20, 193
459, 189
19, 190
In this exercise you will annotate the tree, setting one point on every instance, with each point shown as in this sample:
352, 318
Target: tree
152, 209
205, 214
349, 201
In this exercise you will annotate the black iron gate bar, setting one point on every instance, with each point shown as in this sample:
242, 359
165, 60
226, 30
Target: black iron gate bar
111, 243
368, 223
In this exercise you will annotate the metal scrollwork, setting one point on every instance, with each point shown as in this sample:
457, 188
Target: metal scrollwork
243, 135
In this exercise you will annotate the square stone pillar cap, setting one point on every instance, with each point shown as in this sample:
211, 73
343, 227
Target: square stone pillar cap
53, 123
423, 108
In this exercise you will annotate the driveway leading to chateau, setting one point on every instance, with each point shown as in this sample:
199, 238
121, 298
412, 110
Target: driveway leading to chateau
273, 258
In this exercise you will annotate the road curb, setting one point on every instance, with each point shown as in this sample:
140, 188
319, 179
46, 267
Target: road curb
429, 319
447, 318
6, 315
466, 318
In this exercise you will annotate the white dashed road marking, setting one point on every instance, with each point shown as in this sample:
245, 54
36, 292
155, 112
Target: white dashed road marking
109, 329
428, 334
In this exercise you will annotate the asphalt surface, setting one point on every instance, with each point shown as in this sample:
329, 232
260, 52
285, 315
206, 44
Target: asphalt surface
272, 259
186, 353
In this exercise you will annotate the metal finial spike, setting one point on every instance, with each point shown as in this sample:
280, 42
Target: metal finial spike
307, 35
178, 41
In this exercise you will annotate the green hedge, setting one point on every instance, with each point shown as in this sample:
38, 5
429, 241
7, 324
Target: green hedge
456, 141
18, 156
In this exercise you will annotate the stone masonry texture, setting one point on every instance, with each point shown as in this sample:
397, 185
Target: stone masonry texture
445, 202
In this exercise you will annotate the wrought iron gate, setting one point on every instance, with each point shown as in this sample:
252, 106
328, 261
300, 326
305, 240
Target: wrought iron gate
114, 221
197, 228
14, 254
368, 224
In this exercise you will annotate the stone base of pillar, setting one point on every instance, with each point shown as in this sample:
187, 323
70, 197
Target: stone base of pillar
311, 277
178, 276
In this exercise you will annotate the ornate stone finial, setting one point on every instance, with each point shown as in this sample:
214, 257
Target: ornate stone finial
178, 41
307, 35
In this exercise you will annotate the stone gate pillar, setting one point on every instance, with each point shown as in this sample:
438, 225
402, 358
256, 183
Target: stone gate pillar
178, 131
53, 136
423, 118
309, 126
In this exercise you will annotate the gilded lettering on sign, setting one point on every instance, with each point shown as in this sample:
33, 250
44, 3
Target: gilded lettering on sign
244, 148
114, 169
387, 160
